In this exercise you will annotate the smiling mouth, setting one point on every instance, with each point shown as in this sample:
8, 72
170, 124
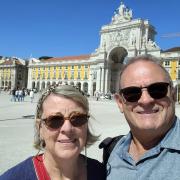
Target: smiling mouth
148, 112
67, 141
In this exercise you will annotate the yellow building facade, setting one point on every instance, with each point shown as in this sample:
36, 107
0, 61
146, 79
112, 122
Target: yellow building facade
73, 70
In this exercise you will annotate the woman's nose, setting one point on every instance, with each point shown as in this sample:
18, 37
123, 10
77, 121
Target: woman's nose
67, 126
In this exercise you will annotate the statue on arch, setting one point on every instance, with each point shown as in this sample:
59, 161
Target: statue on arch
152, 43
123, 13
122, 9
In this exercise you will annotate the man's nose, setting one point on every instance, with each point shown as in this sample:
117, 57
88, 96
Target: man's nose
145, 97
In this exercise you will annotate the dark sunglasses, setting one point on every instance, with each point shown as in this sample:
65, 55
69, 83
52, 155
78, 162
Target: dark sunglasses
156, 91
56, 121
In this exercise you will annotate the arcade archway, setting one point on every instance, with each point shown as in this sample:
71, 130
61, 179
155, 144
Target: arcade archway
115, 61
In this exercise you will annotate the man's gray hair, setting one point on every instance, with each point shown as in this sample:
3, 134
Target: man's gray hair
147, 58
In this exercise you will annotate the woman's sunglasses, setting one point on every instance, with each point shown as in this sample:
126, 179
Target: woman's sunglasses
56, 121
156, 91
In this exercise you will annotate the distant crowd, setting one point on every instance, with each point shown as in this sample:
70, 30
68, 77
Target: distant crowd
19, 94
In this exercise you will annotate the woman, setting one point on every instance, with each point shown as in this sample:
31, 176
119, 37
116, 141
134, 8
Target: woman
62, 131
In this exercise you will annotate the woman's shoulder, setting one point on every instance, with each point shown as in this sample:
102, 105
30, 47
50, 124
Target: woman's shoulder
94, 162
96, 170
22, 171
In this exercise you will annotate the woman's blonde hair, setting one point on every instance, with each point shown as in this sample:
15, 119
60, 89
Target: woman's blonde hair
68, 92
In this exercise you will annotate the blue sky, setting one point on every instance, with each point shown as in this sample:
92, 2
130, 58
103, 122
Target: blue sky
71, 27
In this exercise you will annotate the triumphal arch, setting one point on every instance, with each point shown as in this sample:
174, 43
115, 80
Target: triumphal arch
121, 39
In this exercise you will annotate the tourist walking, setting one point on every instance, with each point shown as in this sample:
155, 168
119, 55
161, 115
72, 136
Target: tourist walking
31, 95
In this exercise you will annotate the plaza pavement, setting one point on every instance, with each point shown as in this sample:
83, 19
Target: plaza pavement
17, 132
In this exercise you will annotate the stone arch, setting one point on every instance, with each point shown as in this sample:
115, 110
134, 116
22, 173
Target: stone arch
78, 84
94, 87
6, 85
117, 55
48, 84
72, 83
43, 86
2, 83
18, 84
54, 83
85, 87
38, 86
33, 85
116, 58
9, 86
59, 82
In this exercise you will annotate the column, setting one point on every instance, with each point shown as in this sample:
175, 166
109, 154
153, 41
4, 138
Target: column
98, 79
29, 85
102, 79
106, 83
90, 83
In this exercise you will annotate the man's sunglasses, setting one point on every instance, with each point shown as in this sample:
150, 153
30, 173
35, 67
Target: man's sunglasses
56, 121
156, 91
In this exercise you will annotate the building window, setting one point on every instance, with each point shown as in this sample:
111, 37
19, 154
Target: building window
178, 74
59, 75
48, 77
85, 77
65, 75
72, 74
167, 63
79, 75
95, 75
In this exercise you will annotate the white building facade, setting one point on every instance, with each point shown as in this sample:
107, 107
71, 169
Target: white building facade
121, 39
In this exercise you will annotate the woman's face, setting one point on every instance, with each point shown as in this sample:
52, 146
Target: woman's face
67, 141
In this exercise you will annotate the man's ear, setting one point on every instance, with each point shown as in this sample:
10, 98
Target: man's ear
119, 101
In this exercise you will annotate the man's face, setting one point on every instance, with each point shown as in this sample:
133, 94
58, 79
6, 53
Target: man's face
147, 114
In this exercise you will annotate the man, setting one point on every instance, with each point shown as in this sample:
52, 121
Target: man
151, 150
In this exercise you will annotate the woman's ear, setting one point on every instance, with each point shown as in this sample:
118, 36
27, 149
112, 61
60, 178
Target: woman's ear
38, 126
38, 123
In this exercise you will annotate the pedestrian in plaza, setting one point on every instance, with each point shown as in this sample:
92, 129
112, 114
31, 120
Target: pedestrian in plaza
97, 95
151, 150
23, 94
17, 94
31, 95
13, 95
20, 95
62, 133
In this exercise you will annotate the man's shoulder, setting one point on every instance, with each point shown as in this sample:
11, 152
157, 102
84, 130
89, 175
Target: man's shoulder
22, 171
